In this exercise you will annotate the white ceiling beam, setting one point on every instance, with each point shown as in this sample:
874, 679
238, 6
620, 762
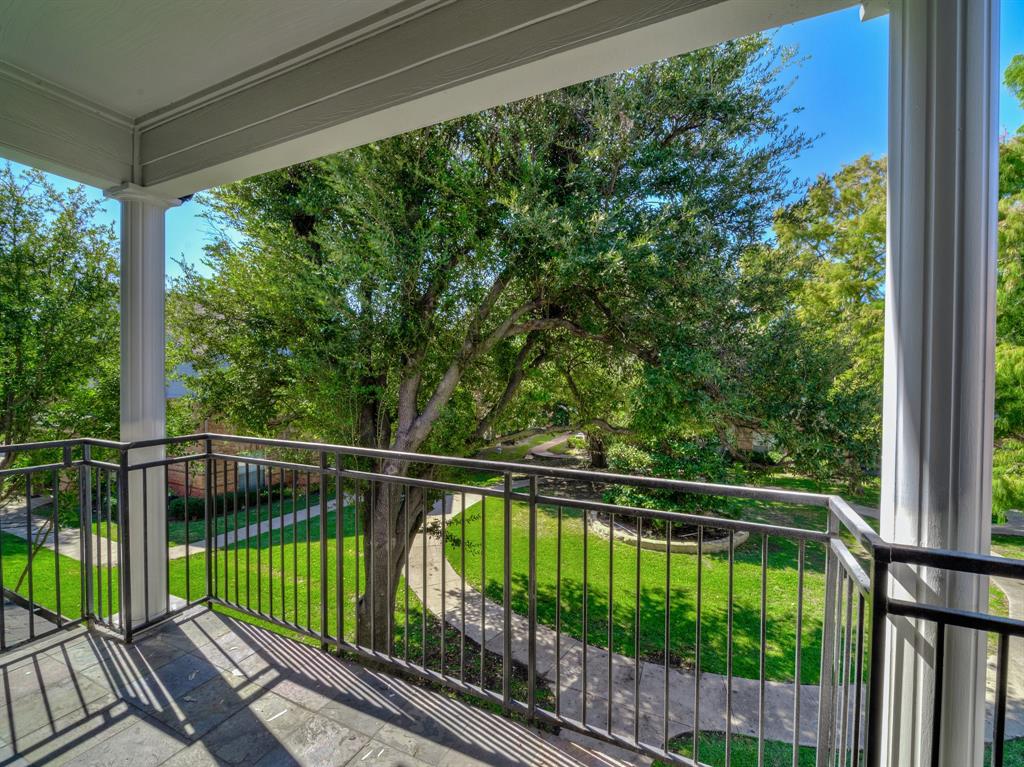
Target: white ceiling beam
458, 59
45, 127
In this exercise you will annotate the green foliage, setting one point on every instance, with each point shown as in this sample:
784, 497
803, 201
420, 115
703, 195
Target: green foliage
453, 282
1007, 478
831, 250
683, 459
58, 316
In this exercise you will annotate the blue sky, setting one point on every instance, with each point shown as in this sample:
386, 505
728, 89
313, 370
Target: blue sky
840, 84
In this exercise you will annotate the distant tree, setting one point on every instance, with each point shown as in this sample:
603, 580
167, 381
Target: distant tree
832, 242
1008, 459
58, 313
398, 294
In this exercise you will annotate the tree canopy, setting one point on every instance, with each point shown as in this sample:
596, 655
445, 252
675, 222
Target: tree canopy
399, 294
58, 317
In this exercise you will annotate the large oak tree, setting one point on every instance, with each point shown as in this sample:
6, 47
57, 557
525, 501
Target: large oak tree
398, 294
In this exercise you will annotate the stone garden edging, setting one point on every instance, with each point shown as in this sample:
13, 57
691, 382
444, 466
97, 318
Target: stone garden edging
676, 547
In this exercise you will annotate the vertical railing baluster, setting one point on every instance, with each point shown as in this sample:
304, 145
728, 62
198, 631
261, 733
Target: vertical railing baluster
999, 728
939, 665
309, 580
425, 509
586, 612
696, 644
406, 543
124, 547
295, 545
801, 553
145, 544
762, 671
97, 536
85, 499
282, 485
30, 547
55, 494
188, 531
339, 548
667, 634
323, 546
444, 567
110, 557
876, 684
636, 638
531, 664
506, 594
234, 535
728, 654
611, 632
462, 586
259, 540
483, 586
167, 538
208, 516
356, 525
248, 537
845, 672
387, 546
558, 615
837, 655
825, 700
859, 682
270, 540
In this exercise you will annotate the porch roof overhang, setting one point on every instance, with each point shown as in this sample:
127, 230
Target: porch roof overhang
179, 97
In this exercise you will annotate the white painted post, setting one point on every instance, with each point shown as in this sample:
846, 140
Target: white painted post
939, 356
142, 388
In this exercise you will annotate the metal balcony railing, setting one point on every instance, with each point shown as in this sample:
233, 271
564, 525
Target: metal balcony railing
518, 584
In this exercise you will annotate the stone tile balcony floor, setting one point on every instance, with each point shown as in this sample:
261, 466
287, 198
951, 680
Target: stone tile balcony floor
207, 689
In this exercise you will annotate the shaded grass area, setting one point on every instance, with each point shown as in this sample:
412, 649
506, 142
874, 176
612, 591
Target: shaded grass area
869, 495
743, 751
49, 569
484, 532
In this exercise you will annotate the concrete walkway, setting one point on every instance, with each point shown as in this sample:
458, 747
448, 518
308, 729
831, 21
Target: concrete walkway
544, 450
67, 541
565, 670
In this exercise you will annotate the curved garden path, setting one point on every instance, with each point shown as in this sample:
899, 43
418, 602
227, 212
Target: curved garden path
778, 724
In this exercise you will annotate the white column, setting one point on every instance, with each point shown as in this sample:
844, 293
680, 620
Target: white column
142, 388
939, 350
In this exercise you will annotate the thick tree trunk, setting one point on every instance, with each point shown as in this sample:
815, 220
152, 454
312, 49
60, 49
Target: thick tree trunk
390, 517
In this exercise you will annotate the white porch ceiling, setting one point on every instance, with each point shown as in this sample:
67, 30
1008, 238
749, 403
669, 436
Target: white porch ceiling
137, 56
180, 96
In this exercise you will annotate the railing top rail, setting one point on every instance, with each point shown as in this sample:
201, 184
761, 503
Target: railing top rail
500, 467
26, 447
854, 523
960, 561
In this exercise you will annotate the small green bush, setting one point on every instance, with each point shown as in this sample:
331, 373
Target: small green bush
687, 460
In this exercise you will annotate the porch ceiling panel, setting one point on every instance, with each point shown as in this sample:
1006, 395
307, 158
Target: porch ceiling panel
183, 96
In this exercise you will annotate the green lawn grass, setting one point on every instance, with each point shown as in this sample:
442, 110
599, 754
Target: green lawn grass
781, 591
744, 752
259, 587
517, 451
870, 494
44, 578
